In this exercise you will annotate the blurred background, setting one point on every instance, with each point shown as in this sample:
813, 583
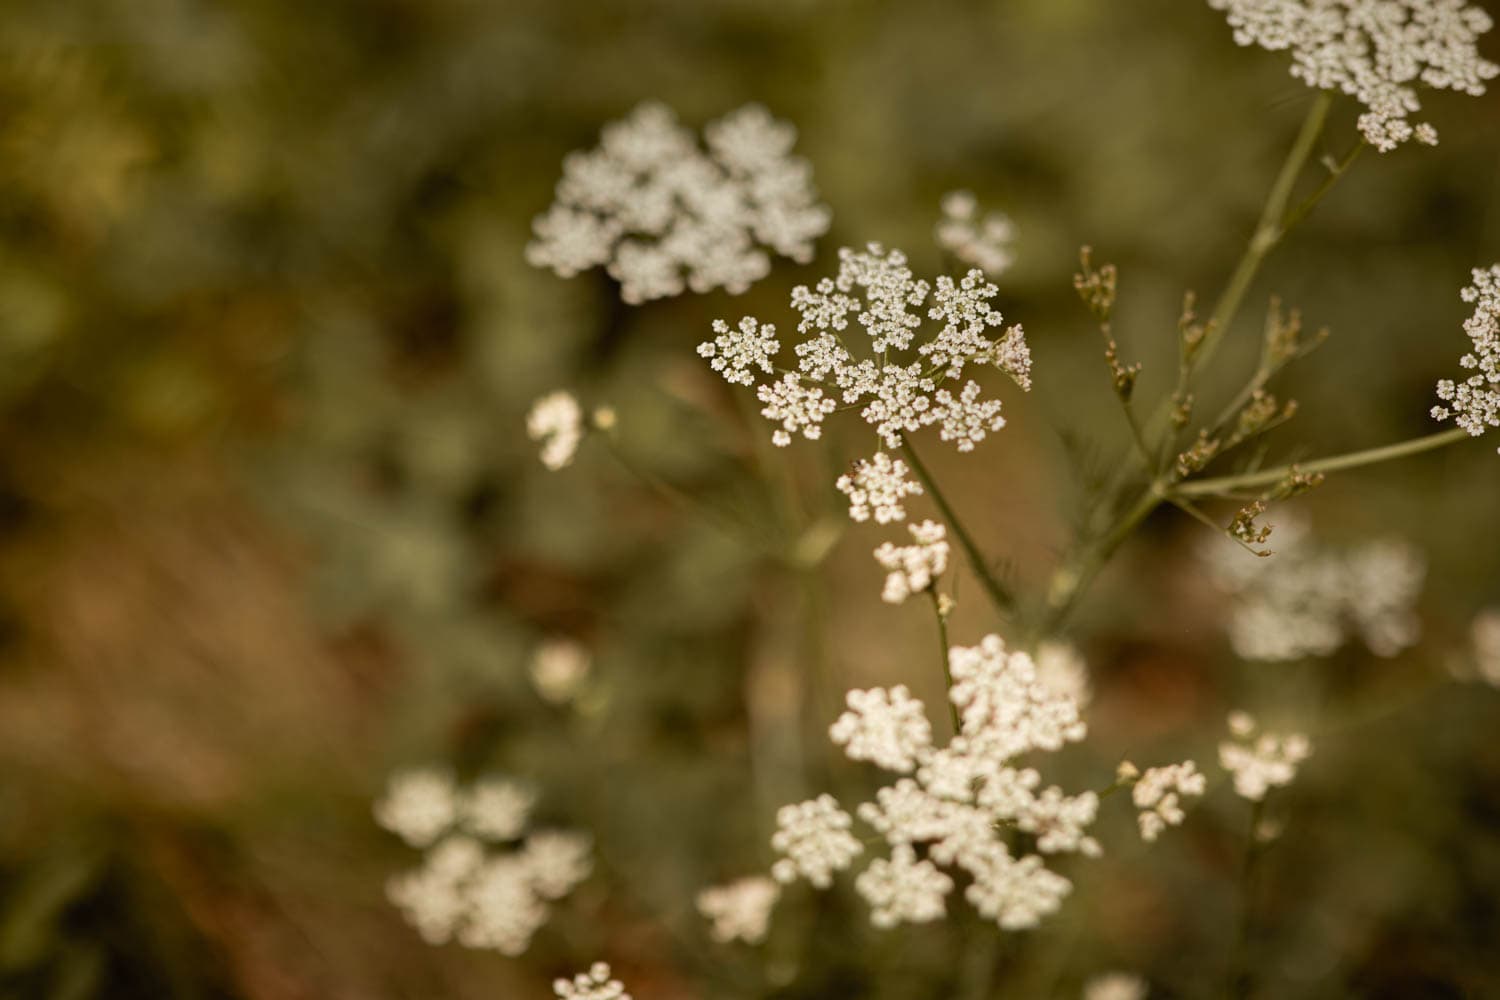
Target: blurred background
270, 527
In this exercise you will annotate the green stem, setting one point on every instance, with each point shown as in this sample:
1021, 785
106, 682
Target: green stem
1239, 972
1072, 579
942, 624
1273, 225
1335, 463
1000, 596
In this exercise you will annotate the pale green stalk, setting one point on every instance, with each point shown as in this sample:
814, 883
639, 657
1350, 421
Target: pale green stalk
1370, 456
999, 594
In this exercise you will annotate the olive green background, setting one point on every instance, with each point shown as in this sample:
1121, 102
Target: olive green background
270, 527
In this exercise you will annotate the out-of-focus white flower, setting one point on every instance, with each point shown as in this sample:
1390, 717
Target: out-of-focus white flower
556, 420
1474, 403
495, 900
740, 910
419, 806
1486, 632
815, 839
1308, 600
911, 569
1015, 893
878, 485
1115, 986
502, 910
903, 889
596, 984
559, 669
557, 861
984, 243
1062, 668
1260, 763
1378, 53
887, 727
1158, 795
663, 215
432, 897
496, 808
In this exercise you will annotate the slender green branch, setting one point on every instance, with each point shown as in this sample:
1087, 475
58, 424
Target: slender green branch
1269, 231
999, 594
942, 624
1307, 204
1239, 972
1073, 578
1335, 463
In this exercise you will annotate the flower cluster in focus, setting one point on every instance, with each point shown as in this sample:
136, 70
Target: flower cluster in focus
1376, 51
948, 816
1474, 403
663, 215
463, 889
877, 292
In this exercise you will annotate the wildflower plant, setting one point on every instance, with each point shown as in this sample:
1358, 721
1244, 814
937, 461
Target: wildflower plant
963, 807
664, 216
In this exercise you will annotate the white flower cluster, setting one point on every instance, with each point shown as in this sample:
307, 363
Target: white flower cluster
885, 726
1260, 762
1377, 51
1308, 600
595, 984
814, 835
740, 910
962, 798
1158, 795
911, 569
904, 889
556, 420
1115, 986
1486, 632
878, 292
559, 669
661, 214
1474, 403
484, 899
984, 243
878, 485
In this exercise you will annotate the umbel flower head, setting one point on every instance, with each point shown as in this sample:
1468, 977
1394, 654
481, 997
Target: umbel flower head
956, 808
1377, 51
495, 899
1474, 403
897, 381
661, 214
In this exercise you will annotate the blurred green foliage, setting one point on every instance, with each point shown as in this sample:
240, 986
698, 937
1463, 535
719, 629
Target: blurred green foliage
269, 526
